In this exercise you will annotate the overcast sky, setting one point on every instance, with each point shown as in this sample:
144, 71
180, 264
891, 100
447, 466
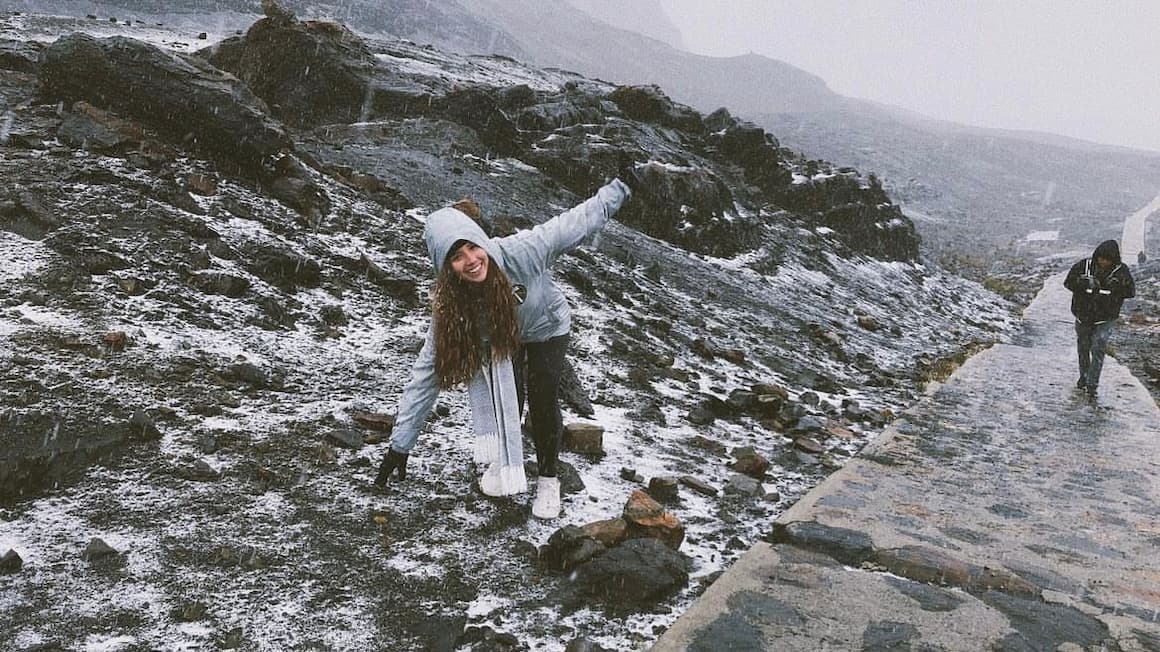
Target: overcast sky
1085, 69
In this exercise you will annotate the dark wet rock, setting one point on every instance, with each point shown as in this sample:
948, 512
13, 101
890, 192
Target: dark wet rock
743, 485
405, 289
344, 438
850, 547
711, 445
283, 268
740, 627
583, 645
486, 639
698, 485
569, 547
190, 612
374, 420
928, 597
884, 636
631, 475
647, 518
862, 215
308, 72
21, 56
1042, 626
199, 471
749, 146
143, 428
650, 104
11, 563
742, 400
86, 251
88, 127
691, 208
638, 571
97, 550
809, 445
808, 425
584, 438
479, 109
168, 91
223, 283
46, 450
749, 462
247, 373
442, 634
664, 489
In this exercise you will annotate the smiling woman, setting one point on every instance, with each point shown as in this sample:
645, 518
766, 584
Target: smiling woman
469, 261
501, 326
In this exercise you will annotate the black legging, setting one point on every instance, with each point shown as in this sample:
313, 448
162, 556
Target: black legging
538, 367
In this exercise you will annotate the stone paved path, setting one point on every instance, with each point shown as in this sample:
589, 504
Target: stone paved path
1006, 511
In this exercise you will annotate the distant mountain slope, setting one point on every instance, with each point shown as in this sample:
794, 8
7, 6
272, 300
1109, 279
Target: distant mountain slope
556, 34
645, 17
960, 183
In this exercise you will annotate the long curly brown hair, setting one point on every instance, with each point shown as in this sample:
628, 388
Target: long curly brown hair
469, 316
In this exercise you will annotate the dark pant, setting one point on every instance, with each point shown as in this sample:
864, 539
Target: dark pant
1091, 340
538, 368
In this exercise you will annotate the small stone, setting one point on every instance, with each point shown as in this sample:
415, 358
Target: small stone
11, 563
584, 438
664, 489
809, 445
344, 438
98, 549
631, 475
698, 485
743, 485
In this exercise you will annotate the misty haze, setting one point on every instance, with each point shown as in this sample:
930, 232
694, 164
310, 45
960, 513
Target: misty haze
810, 286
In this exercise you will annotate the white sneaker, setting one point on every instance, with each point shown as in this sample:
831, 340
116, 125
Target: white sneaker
547, 502
490, 483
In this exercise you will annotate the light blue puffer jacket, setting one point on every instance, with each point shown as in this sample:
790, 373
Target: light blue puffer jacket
526, 257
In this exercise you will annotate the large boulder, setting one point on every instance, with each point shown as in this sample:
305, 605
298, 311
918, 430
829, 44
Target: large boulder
21, 56
179, 95
650, 104
749, 146
861, 214
309, 72
639, 571
692, 208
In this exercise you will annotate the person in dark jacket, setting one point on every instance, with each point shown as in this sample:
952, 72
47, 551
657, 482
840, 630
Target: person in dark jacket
1098, 285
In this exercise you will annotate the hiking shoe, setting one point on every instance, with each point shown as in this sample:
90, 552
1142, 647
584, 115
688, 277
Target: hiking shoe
547, 502
1091, 390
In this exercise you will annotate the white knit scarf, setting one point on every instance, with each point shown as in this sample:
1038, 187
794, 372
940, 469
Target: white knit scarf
495, 418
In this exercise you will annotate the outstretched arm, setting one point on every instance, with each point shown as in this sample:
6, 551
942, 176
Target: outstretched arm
418, 398
540, 246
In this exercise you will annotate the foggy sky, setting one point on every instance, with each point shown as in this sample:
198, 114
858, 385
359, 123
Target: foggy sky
1089, 70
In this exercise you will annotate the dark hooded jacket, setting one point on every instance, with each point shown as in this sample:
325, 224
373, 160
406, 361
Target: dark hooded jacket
1098, 293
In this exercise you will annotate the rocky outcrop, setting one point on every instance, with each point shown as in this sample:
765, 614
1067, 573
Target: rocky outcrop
183, 96
21, 56
308, 72
861, 214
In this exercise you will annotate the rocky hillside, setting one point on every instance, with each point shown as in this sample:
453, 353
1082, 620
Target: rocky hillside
964, 185
214, 286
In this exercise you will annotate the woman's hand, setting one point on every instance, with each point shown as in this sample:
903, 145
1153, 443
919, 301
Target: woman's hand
391, 461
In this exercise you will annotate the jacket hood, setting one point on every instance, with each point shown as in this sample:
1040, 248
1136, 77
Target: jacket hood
447, 226
1108, 249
